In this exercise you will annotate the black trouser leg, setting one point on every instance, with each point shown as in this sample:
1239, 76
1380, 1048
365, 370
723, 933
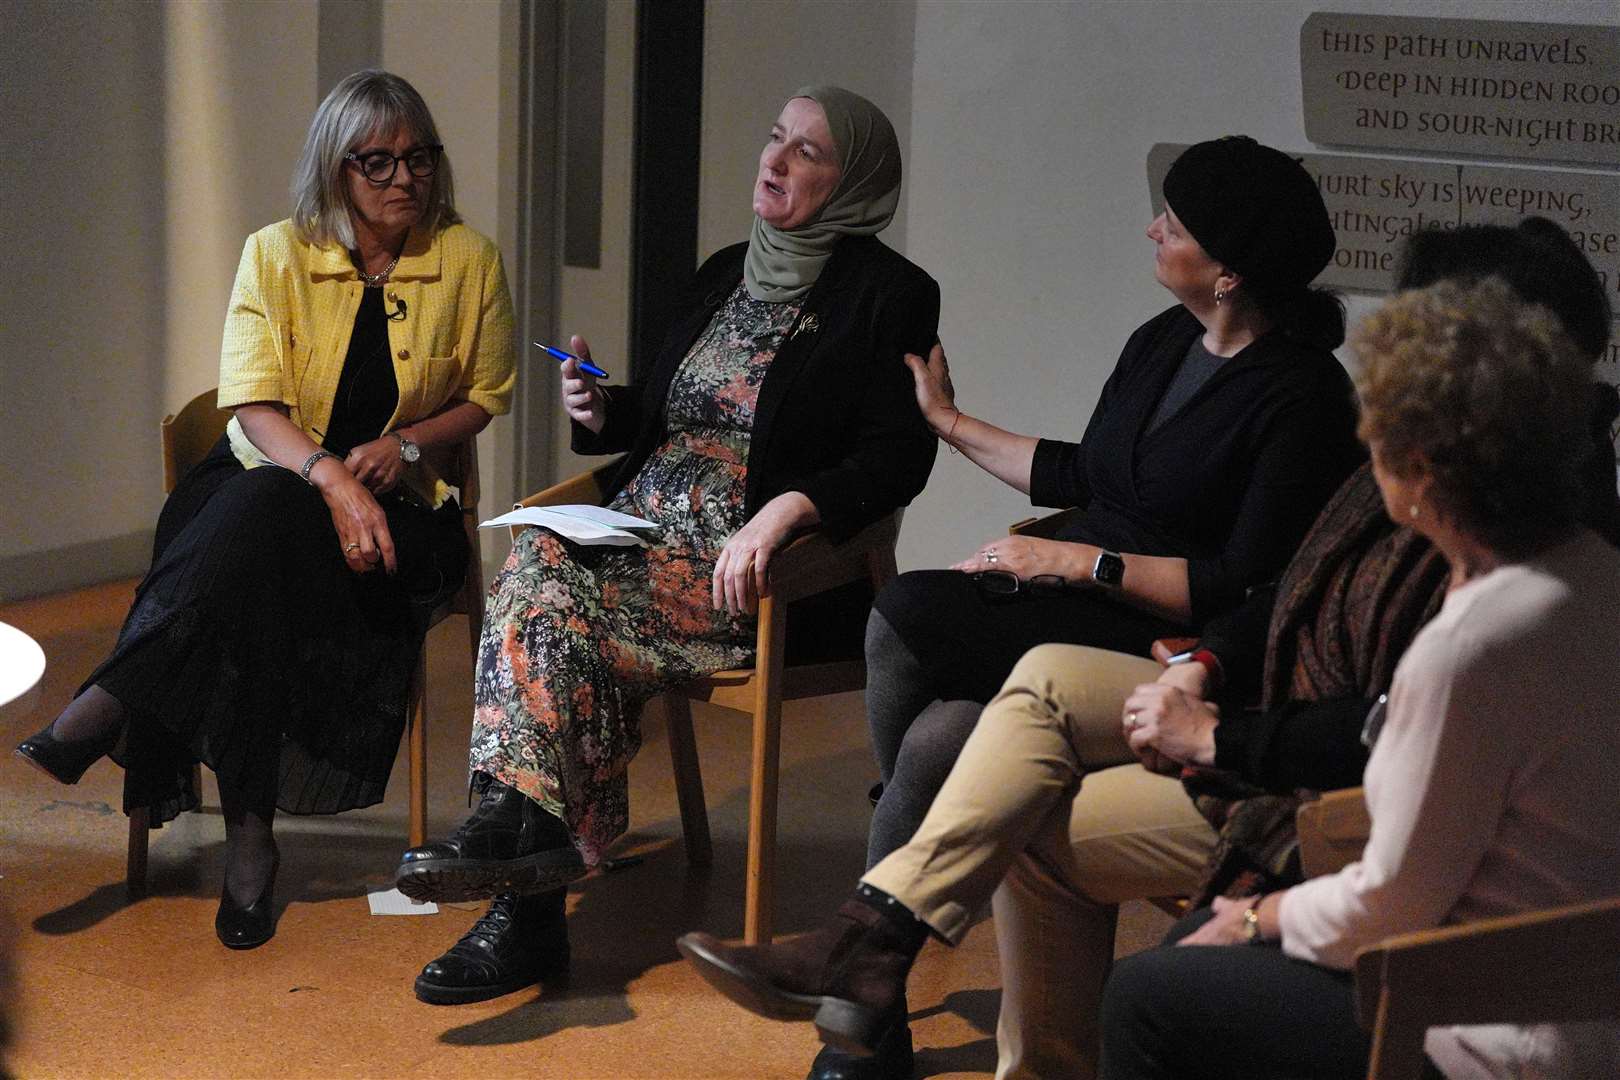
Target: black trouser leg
1221, 1011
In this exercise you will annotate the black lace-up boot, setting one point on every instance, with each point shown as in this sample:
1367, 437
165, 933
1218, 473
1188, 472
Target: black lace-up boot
509, 844
520, 941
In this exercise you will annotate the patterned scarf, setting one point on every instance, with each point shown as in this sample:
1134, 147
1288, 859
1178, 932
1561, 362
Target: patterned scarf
1349, 604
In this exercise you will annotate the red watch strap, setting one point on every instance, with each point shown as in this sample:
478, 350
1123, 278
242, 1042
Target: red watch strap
1212, 664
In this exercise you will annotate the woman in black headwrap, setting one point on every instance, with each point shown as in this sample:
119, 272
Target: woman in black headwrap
779, 402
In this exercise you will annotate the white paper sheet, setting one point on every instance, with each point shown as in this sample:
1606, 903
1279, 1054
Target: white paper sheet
394, 902
579, 523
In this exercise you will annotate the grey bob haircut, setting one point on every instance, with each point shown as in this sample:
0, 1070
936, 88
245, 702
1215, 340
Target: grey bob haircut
363, 105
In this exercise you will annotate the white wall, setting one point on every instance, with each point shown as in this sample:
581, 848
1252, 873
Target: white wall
143, 142
462, 58
594, 302
1030, 127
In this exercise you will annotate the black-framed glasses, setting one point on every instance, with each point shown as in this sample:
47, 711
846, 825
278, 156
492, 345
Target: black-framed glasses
378, 166
1007, 583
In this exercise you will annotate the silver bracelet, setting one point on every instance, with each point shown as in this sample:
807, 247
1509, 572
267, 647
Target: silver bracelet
310, 464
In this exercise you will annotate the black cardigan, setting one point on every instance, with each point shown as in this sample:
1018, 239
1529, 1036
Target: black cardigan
837, 417
1230, 482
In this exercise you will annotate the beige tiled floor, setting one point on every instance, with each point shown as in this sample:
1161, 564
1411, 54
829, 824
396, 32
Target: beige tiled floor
106, 988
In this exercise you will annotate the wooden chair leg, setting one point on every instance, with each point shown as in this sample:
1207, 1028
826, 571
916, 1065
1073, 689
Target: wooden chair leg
760, 904
683, 756
139, 837
472, 600
416, 743
1397, 1050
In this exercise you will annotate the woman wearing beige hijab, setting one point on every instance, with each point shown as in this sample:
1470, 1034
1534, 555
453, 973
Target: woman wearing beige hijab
781, 401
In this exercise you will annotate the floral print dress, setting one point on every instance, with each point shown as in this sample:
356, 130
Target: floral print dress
577, 638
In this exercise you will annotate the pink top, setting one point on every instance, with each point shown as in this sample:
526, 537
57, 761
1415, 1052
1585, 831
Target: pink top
1492, 788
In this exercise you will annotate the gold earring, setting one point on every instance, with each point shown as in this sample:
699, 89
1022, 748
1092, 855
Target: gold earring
1414, 511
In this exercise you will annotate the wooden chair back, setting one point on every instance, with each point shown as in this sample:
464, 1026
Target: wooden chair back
1560, 965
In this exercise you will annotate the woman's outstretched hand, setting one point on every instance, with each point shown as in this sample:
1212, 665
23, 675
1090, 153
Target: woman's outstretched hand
581, 400
936, 397
362, 527
741, 573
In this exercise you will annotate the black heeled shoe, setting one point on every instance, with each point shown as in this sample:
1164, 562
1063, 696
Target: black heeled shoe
239, 927
64, 762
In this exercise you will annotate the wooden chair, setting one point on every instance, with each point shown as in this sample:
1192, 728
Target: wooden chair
1555, 965
187, 436
809, 565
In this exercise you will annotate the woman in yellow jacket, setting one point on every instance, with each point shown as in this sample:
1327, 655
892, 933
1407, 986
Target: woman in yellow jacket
295, 567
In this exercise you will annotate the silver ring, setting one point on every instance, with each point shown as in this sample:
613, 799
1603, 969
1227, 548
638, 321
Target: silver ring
353, 545
990, 556
1131, 722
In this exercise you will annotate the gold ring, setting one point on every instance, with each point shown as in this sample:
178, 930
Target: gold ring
353, 545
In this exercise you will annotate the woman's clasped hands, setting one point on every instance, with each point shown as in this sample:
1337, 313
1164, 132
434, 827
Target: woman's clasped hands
1168, 725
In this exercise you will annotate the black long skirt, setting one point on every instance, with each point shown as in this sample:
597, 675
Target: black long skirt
253, 648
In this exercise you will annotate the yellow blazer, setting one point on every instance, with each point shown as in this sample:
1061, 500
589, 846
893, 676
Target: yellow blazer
292, 314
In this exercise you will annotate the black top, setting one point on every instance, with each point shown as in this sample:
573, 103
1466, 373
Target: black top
1231, 482
367, 391
837, 416
1196, 369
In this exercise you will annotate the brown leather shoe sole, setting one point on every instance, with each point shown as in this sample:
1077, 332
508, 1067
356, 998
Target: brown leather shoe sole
842, 1024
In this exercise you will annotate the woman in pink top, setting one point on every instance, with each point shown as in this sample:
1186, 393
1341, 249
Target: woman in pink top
1490, 787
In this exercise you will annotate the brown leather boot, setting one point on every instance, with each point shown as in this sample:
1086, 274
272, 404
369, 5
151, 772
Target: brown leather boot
849, 975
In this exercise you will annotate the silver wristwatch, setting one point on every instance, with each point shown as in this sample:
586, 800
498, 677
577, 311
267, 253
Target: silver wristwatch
409, 452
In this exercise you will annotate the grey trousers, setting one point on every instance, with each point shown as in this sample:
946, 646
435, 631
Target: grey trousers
916, 738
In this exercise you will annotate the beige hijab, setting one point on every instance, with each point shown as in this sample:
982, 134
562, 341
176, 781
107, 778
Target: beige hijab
784, 264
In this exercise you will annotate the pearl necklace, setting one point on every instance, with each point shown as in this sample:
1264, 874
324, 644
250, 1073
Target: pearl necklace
375, 280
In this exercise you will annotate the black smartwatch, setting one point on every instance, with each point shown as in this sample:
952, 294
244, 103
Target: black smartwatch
1109, 569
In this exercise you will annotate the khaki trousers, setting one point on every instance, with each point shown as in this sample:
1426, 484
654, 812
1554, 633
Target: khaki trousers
1047, 811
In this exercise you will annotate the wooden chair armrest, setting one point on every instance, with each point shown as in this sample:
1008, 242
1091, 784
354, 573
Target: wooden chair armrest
812, 563
1332, 831
588, 488
1042, 527
1557, 964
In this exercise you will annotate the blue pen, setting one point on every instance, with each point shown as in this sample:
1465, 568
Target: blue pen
584, 365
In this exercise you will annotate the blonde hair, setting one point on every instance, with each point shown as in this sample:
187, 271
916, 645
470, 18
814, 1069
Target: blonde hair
362, 105
1486, 396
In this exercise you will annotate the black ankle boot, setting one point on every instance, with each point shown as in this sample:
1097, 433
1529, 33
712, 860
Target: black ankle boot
849, 975
891, 1060
520, 941
509, 844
